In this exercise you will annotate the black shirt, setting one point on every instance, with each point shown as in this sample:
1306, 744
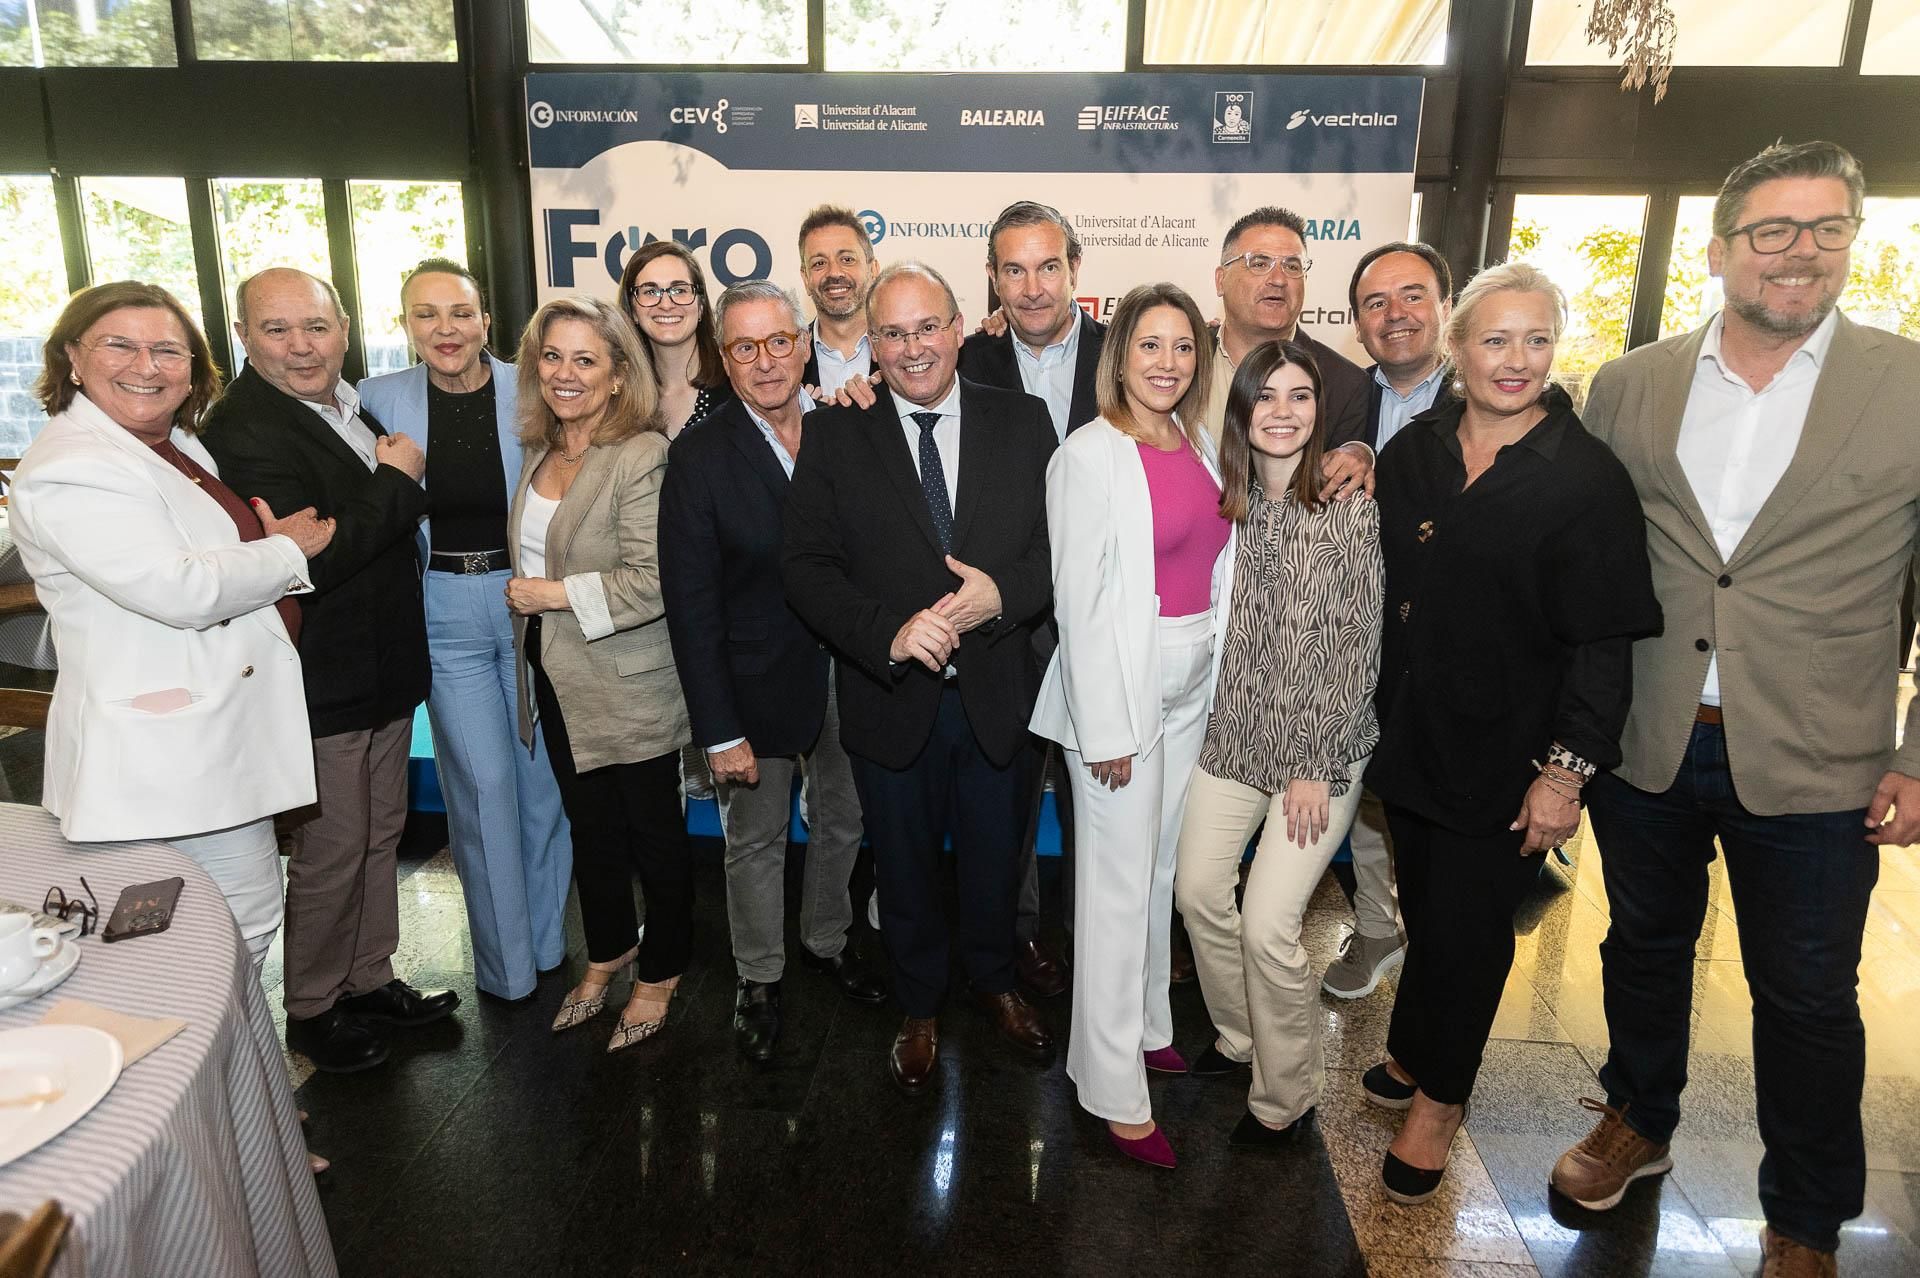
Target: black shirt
1511, 608
464, 480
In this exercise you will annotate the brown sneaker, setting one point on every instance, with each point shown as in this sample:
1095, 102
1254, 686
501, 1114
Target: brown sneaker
1785, 1258
1596, 1172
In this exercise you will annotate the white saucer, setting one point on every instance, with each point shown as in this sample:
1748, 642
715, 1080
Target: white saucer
77, 1062
53, 969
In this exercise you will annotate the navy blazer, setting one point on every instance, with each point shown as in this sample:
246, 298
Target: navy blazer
749, 667
991, 361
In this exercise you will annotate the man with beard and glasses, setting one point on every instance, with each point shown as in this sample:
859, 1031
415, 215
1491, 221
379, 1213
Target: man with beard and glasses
1775, 454
837, 266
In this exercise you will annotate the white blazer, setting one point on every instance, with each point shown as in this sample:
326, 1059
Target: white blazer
150, 590
1101, 693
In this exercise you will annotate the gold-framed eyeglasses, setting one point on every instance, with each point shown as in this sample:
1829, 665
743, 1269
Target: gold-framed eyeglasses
745, 350
66, 908
118, 352
925, 332
1264, 264
1778, 234
648, 295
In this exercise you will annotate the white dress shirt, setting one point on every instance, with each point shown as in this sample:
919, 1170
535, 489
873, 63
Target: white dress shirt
1735, 442
1396, 410
780, 452
836, 370
946, 436
1048, 374
344, 416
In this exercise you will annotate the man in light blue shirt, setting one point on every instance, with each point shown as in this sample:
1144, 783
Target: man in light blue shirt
837, 267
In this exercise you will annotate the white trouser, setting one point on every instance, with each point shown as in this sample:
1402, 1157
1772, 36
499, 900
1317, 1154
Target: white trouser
245, 863
1376, 902
1254, 973
1123, 890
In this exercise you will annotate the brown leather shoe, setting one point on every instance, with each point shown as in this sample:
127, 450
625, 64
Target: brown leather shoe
1785, 1258
1596, 1172
1042, 971
915, 1055
1017, 1022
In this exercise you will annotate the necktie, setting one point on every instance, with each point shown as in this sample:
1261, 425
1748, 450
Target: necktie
933, 481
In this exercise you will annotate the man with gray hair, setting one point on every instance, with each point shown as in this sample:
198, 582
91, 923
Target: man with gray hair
1775, 455
758, 684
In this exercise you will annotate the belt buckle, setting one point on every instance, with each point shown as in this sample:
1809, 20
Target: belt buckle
474, 563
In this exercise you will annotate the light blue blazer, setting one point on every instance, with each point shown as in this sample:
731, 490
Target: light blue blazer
398, 401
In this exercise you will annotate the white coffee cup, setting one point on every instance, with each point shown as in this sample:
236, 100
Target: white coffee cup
22, 946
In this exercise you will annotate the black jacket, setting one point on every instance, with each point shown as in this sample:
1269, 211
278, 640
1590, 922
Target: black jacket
363, 630
991, 362
862, 557
748, 665
1375, 391
1343, 392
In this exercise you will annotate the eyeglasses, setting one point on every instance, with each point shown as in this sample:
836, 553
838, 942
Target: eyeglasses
118, 352
746, 350
1778, 234
926, 332
648, 295
65, 908
1264, 264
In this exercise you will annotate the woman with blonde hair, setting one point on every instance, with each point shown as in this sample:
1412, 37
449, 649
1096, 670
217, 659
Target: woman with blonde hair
1138, 542
595, 661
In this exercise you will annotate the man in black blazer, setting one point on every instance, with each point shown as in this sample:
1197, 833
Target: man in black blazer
916, 543
1048, 348
758, 683
291, 433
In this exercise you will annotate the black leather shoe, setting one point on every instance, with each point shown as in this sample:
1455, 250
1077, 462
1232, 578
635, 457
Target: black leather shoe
398, 1003
850, 972
1214, 1063
336, 1042
756, 1019
1251, 1133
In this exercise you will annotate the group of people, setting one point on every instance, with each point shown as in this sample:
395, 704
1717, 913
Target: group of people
1237, 583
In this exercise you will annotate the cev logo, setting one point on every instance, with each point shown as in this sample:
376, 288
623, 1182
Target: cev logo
541, 113
1297, 119
874, 224
716, 114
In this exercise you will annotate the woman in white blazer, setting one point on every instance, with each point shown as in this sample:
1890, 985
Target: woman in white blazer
178, 712
510, 842
1139, 548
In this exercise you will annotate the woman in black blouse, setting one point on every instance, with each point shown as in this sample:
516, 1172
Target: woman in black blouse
665, 292
509, 838
1516, 581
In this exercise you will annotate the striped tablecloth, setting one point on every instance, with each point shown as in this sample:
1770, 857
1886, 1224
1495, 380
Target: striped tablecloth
194, 1164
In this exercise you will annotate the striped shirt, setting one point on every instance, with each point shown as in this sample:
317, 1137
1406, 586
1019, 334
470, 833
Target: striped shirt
1302, 649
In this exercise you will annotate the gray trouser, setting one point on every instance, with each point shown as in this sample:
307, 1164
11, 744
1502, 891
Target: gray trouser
755, 818
1026, 926
1376, 902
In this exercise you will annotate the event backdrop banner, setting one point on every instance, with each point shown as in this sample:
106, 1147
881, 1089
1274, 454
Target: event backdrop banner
1150, 169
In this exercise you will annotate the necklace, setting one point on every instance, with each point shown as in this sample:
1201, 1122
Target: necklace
572, 459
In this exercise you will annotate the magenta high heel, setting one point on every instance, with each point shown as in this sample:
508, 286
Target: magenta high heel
1164, 1060
1151, 1149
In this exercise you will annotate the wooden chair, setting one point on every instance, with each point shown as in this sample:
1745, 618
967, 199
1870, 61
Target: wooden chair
19, 600
23, 708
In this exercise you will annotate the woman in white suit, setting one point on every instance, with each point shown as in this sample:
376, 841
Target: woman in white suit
178, 713
1139, 546
504, 821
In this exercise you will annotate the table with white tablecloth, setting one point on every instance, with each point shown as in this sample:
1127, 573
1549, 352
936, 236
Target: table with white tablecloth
193, 1165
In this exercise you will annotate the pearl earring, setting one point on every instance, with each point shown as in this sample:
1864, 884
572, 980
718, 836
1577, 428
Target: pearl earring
1459, 388
75, 377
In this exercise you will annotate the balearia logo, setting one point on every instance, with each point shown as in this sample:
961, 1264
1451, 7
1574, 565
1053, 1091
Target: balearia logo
716, 115
543, 115
1135, 117
1009, 119
874, 224
1345, 120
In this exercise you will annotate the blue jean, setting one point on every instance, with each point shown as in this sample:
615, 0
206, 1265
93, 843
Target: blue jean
511, 844
1800, 885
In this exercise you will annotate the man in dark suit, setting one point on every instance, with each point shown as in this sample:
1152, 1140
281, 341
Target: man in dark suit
291, 433
758, 683
916, 543
1048, 348
1399, 295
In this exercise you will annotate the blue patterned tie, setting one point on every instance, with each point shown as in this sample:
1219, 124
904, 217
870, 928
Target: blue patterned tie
933, 481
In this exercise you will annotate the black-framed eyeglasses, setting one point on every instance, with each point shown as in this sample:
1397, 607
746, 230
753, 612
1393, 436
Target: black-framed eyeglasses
648, 295
1778, 234
1264, 264
66, 908
745, 350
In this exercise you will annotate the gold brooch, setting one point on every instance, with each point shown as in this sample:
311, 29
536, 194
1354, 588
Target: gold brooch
1406, 608
1425, 532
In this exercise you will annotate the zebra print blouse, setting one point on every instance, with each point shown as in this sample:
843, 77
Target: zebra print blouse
1302, 648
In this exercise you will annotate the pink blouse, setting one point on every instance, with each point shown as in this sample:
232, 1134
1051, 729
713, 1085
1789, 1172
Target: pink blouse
1188, 530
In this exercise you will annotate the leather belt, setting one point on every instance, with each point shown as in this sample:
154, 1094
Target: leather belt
1704, 713
472, 563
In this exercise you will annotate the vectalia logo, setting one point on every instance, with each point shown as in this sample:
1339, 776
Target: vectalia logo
1350, 120
1297, 119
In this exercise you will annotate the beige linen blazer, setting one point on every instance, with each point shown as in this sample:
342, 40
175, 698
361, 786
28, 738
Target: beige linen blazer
619, 692
1804, 612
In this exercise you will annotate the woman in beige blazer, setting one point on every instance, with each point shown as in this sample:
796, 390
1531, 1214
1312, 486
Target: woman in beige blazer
594, 661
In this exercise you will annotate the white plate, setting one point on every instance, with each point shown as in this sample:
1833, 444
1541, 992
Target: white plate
53, 969
78, 1062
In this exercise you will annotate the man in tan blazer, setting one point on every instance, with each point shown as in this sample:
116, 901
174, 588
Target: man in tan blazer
1777, 454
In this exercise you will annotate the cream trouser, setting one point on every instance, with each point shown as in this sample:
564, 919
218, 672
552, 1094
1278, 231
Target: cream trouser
244, 862
1123, 889
1376, 903
1254, 973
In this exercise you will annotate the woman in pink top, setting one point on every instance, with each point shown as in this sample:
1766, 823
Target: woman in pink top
1133, 511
